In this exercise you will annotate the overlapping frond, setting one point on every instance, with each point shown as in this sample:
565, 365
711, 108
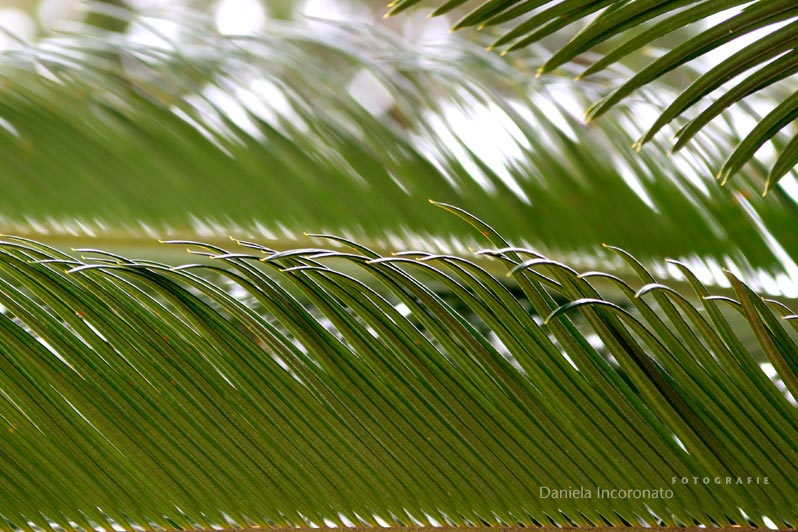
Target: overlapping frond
764, 33
264, 136
277, 389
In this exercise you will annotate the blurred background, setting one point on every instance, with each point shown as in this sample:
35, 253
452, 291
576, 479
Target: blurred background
128, 121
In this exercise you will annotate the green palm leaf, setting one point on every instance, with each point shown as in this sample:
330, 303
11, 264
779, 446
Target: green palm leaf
614, 27
323, 386
274, 388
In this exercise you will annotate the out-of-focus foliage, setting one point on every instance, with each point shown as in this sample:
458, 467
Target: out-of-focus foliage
343, 128
764, 33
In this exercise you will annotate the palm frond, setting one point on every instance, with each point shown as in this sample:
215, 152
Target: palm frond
276, 389
619, 28
212, 135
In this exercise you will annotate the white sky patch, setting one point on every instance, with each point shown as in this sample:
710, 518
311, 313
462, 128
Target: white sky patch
568, 98
789, 184
156, 4
699, 269
51, 12
744, 123
642, 113
717, 55
324, 9
203, 108
370, 93
786, 285
419, 28
733, 268
271, 94
233, 109
256, 105
773, 375
266, 100
769, 370
633, 181
239, 17
713, 20
154, 32
717, 273
515, 149
442, 131
483, 129
19, 25
769, 284
786, 262
429, 152
686, 163
554, 114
